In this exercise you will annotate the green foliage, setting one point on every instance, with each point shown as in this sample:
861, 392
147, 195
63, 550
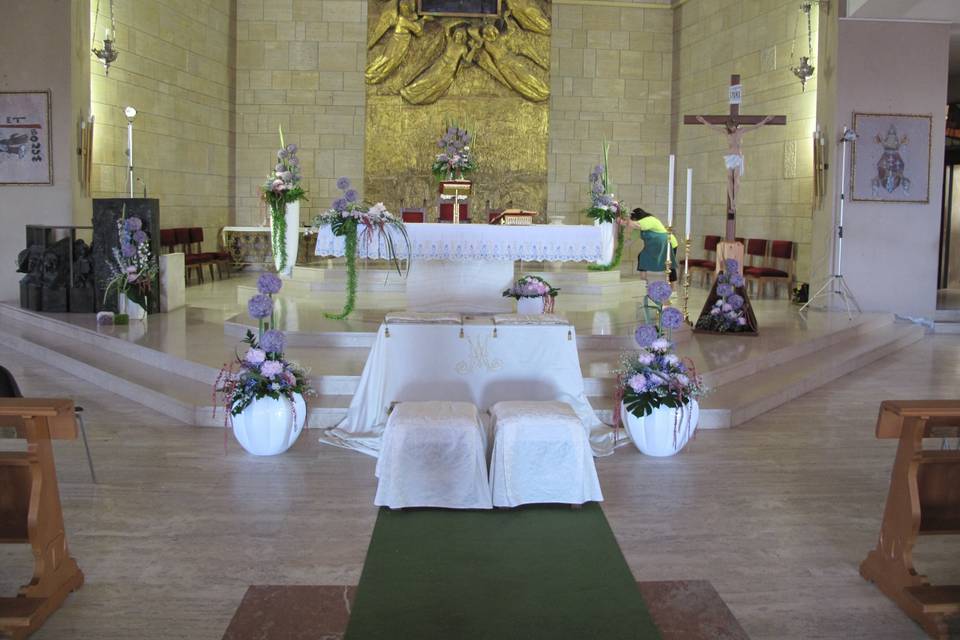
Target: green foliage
348, 227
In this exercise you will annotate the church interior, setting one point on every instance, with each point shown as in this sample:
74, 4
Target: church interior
394, 319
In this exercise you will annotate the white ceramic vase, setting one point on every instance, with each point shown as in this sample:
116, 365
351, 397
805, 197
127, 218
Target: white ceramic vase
531, 306
268, 427
129, 307
607, 240
291, 239
665, 431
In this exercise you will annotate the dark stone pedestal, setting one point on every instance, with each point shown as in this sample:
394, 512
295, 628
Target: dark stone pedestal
106, 213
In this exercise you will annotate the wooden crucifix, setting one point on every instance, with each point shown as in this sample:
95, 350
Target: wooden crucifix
734, 125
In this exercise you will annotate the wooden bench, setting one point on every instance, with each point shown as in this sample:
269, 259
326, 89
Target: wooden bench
924, 499
30, 511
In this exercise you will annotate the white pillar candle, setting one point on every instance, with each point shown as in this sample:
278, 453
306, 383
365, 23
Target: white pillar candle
673, 162
689, 200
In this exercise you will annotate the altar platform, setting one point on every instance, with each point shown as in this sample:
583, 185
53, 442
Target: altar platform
170, 362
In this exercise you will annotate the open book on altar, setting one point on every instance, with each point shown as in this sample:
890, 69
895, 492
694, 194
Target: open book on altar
514, 217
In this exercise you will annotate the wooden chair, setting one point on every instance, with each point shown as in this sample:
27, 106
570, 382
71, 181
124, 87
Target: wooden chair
708, 264
30, 511
411, 215
10, 389
754, 255
192, 262
446, 212
220, 259
780, 268
924, 499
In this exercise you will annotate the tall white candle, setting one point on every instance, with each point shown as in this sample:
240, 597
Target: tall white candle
689, 200
673, 162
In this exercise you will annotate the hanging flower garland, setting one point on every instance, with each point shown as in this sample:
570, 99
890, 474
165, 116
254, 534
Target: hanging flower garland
605, 208
357, 221
283, 186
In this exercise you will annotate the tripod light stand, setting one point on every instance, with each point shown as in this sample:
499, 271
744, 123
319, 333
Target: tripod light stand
835, 283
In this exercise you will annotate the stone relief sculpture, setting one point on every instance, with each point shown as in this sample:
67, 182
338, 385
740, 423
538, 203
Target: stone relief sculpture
405, 22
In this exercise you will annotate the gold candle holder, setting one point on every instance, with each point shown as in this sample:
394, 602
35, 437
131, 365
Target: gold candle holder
686, 278
668, 263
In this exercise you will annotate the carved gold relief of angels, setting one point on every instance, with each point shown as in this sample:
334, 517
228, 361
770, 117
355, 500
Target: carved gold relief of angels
509, 49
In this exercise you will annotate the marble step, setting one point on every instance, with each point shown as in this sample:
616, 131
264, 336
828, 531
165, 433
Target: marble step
738, 401
946, 327
946, 315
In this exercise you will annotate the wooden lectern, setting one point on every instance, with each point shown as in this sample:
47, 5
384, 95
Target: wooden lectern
30, 511
924, 499
458, 190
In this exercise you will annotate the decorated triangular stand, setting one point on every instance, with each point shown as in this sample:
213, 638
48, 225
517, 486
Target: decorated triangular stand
749, 329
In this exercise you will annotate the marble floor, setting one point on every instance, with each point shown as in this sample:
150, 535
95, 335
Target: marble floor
776, 514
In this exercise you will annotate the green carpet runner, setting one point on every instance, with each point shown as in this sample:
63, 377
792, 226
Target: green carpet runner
536, 572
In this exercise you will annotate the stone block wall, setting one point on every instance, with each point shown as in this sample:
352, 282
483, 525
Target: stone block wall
611, 79
176, 68
753, 38
300, 65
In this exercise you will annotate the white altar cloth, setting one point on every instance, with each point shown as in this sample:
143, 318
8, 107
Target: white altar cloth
433, 362
471, 242
466, 267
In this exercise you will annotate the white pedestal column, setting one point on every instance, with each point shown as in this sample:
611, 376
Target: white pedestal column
173, 294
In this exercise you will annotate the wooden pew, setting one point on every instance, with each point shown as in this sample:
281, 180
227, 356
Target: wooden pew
924, 499
30, 510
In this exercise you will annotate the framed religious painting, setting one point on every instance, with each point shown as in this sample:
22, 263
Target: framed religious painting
25, 138
459, 8
891, 157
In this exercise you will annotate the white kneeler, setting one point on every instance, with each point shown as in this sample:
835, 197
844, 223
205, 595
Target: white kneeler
541, 453
433, 454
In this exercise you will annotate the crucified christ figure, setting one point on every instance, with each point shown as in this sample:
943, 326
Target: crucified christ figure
733, 159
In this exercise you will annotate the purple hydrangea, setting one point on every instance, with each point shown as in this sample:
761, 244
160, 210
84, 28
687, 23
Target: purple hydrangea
737, 280
140, 236
273, 341
340, 204
133, 224
350, 195
271, 368
255, 356
260, 306
269, 283
127, 249
659, 291
672, 318
638, 383
343, 183
735, 301
731, 266
291, 149
645, 335
725, 289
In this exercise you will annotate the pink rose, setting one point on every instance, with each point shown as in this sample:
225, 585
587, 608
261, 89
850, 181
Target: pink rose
271, 368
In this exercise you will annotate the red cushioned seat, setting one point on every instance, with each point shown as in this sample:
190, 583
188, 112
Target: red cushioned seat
704, 264
765, 272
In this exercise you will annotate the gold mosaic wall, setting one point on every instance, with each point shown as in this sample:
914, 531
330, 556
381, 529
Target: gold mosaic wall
498, 88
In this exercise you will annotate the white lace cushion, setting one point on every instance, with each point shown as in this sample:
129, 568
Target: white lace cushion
433, 454
541, 453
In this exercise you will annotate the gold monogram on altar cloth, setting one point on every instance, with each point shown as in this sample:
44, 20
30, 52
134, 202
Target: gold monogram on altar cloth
479, 357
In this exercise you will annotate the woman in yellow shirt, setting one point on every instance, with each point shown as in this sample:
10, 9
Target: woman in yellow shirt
644, 221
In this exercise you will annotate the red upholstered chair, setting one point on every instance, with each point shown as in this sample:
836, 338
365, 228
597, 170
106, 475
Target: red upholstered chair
754, 257
779, 268
192, 261
446, 212
168, 241
413, 215
220, 259
705, 266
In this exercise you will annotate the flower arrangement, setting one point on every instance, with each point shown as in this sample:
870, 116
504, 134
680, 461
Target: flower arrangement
454, 158
357, 221
654, 377
667, 318
281, 187
262, 371
604, 207
728, 314
134, 267
533, 287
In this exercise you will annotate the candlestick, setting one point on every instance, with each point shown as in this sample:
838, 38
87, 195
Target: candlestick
686, 277
671, 171
667, 263
689, 200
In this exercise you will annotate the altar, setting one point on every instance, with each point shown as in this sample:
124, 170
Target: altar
466, 267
